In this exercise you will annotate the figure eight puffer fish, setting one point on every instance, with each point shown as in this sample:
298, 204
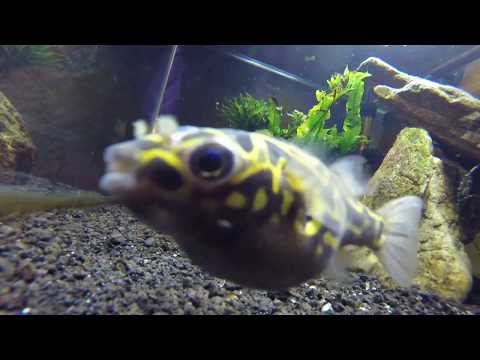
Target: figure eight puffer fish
255, 210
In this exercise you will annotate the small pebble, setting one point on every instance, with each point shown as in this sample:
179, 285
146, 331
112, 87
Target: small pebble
26, 270
7, 269
327, 309
149, 241
117, 238
79, 275
43, 235
26, 311
187, 283
6, 230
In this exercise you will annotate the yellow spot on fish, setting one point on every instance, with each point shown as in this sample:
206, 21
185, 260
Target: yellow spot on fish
287, 202
189, 144
154, 138
319, 250
166, 156
277, 174
276, 171
356, 230
357, 206
312, 227
330, 240
299, 227
261, 199
294, 182
275, 219
378, 243
236, 200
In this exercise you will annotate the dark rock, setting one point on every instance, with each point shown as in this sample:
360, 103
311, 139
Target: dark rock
450, 114
7, 269
79, 275
117, 238
26, 270
187, 282
378, 298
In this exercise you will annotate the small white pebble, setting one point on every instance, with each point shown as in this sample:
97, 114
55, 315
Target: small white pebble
88, 301
26, 311
327, 308
367, 285
224, 223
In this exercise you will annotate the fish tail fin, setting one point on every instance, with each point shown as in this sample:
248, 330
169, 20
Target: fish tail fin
398, 253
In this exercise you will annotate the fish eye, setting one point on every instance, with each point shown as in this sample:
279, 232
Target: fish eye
211, 162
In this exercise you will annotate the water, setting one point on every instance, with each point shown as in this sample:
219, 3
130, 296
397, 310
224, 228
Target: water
61, 106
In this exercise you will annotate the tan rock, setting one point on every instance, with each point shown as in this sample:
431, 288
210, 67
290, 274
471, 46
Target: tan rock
449, 113
410, 169
16, 145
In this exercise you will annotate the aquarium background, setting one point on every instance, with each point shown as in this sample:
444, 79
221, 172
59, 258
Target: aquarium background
88, 97
62, 105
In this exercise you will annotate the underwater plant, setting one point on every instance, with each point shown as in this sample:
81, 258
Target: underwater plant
18, 55
313, 130
248, 113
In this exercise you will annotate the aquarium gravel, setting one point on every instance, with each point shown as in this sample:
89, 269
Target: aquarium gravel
105, 261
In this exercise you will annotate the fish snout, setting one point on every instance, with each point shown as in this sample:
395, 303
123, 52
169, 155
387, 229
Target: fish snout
122, 161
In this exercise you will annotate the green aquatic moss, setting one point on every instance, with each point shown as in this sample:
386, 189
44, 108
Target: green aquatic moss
313, 130
248, 113
20, 55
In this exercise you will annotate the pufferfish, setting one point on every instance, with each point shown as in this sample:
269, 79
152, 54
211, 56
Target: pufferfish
253, 209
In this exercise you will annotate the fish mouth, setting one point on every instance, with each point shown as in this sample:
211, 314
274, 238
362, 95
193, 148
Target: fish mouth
122, 162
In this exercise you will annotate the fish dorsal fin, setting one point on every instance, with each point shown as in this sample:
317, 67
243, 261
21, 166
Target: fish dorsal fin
350, 173
164, 125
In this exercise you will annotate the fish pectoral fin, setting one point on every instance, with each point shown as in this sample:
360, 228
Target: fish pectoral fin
351, 176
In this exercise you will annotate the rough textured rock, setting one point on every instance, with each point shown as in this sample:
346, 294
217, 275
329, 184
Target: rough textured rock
448, 113
16, 146
469, 206
74, 112
410, 169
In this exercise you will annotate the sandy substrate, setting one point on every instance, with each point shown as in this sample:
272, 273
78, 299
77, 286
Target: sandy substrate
104, 261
